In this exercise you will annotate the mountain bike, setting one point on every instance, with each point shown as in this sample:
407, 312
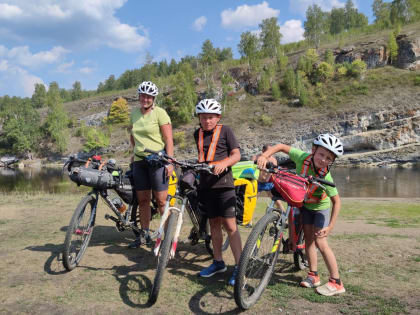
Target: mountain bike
172, 218
102, 177
262, 248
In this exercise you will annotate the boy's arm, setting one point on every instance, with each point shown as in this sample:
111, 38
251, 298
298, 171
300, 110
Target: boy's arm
336, 206
234, 157
263, 158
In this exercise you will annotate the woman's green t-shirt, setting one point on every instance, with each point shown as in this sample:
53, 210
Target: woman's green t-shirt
146, 130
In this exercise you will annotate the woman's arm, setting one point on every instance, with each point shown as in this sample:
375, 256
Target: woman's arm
166, 131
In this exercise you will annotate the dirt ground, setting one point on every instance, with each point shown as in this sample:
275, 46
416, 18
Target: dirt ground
379, 266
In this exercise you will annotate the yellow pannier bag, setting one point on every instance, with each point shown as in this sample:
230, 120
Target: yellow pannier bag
246, 199
173, 181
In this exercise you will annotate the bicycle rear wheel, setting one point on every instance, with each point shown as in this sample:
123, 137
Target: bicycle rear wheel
79, 232
258, 259
299, 256
163, 257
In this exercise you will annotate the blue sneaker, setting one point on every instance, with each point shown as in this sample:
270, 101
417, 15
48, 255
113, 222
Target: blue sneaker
215, 267
234, 275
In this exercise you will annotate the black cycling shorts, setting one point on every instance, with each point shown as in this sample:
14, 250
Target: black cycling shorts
147, 177
218, 202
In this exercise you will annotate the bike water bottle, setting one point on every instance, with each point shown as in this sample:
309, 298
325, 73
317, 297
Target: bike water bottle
117, 202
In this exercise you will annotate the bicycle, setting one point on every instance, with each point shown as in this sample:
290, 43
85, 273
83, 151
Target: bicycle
172, 218
262, 248
80, 229
102, 177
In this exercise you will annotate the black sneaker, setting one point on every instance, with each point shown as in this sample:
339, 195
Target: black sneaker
143, 239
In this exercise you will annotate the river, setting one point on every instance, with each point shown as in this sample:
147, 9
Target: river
351, 182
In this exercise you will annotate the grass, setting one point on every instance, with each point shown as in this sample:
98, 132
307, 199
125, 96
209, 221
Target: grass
113, 279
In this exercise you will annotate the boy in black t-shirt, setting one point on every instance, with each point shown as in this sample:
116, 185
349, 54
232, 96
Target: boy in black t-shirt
216, 144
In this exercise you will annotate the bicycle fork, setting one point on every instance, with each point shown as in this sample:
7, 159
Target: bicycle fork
166, 212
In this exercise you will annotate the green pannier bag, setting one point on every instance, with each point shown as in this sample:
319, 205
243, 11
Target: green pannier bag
245, 169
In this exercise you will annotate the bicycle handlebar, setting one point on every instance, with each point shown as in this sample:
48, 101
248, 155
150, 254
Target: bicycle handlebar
271, 168
183, 164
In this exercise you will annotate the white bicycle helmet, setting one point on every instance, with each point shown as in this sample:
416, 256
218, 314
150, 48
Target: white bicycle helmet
330, 142
148, 88
208, 106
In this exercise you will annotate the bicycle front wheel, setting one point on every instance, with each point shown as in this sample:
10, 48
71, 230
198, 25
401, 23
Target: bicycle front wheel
258, 259
163, 257
79, 232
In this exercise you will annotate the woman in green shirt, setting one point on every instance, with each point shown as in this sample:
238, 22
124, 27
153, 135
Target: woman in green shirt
150, 128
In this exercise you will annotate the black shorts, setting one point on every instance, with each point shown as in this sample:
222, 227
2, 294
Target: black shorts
218, 202
147, 177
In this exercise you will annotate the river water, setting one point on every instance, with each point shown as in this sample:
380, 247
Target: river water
351, 182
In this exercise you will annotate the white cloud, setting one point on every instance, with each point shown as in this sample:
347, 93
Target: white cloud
9, 11
18, 81
199, 23
292, 31
300, 6
247, 15
86, 70
70, 24
22, 56
4, 65
65, 67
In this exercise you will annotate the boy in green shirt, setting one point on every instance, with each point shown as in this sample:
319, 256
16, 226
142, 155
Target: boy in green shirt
317, 224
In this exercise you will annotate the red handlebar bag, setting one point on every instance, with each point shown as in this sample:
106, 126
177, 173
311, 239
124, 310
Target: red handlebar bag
291, 187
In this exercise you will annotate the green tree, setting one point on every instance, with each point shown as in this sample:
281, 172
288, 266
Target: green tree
208, 53
20, 125
39, 95
275, 90
392, 47
270, 36
110, 83
382, 11
400, 11
119, 112
337, 21
248, 47
76, 92
57, 119
315, 24
289, 82
95, 139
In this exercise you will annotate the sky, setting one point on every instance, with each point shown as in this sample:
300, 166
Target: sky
42, 41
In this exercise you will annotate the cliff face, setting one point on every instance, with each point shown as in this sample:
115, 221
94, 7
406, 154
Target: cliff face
375, 53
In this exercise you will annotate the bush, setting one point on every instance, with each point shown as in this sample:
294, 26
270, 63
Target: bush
357, 69
119, 112
179, 139
275, 90
289, 82
322, 73
282, 62
95, 139
417, 80
341, 71
264, 83
265, 120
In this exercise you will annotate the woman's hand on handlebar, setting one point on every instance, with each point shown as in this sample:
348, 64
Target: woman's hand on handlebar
169, 169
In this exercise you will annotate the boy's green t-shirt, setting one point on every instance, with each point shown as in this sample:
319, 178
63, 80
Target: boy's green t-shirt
298, 157
146, 130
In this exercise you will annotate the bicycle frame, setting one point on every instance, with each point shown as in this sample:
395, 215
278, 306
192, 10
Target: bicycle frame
166, 212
